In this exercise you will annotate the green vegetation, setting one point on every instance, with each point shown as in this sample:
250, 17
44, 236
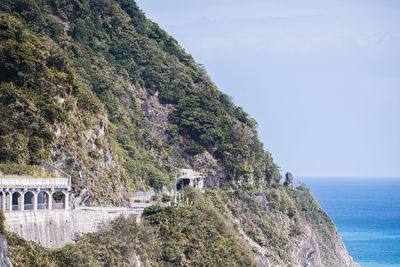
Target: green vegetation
24, 253
22, 170
322, 225
29, 83
2, 222
260, 213
190, 236
312, 210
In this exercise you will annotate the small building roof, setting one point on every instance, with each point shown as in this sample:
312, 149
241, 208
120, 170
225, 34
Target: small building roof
190, 174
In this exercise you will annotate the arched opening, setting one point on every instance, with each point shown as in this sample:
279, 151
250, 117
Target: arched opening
28, 201
58, 200
43, 200
182, 182
16, 201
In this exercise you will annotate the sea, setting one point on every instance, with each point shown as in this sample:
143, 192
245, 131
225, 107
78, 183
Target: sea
366, 212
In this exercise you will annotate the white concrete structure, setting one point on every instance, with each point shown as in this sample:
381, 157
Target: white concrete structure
21, 193
192, 178
55, 228
33, 213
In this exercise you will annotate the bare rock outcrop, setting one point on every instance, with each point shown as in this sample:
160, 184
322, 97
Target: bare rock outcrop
4, 260
289, 180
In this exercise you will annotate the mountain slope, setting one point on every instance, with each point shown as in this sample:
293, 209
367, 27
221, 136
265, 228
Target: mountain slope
103, 92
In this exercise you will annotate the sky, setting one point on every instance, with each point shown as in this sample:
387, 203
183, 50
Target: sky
322, 78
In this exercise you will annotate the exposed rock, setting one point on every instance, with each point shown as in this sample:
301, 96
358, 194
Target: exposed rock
289, 180
206, 164
156, 112
263, 201
4, 261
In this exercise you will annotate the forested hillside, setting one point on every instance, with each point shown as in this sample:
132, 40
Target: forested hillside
104, 93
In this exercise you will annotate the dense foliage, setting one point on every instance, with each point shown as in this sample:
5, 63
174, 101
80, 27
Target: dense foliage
33, 72
24, 253
21, 170
2, 223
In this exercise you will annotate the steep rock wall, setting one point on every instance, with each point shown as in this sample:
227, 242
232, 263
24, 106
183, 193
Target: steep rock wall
4, 260
55, 228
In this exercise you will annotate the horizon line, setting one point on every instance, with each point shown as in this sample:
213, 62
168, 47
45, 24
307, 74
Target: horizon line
355, 177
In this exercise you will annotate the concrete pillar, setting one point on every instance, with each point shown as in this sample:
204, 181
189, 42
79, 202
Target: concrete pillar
35, 200
50, 204
3, 201
21, 201
66, 200
10, 200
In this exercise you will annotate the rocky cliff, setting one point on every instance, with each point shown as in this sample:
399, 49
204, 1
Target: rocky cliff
5, 260
101, 91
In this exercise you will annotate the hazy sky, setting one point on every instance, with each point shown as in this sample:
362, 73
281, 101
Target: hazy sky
322, 78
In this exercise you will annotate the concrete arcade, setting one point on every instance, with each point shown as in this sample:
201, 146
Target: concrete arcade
26, 193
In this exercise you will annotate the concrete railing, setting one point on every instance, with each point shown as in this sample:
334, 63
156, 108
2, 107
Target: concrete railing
50, 167
11, 182
42, 206
57, 206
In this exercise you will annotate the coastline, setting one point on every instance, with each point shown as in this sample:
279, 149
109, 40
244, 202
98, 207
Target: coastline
366, 213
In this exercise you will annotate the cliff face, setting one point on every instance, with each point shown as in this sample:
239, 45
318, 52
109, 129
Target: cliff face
105, 94
321, 244
283, 226
5, 260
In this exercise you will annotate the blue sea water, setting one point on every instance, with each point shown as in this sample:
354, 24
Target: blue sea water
366, 212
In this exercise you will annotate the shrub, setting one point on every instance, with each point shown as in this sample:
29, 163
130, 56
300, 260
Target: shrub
194, 149
58, 196
166, 198
2, 221
35, 144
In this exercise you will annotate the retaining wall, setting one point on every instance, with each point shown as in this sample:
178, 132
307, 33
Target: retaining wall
55, 228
